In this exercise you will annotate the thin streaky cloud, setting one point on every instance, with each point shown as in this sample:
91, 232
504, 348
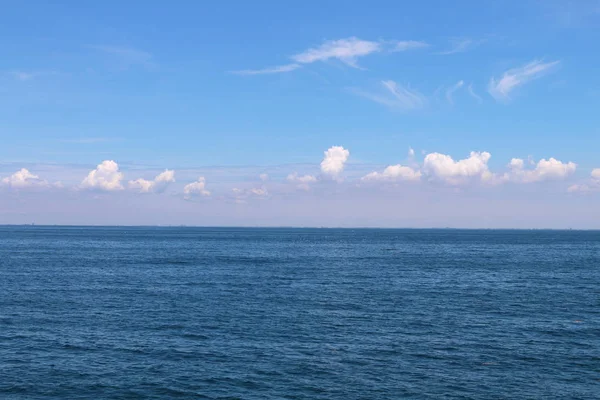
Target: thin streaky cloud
473, 94
24, 76
461, 46
453, 89
346, 50
572, 14
404, 45
90, 140
272, 70
29, 75
500, 89
127, 56
409, 99
396, 96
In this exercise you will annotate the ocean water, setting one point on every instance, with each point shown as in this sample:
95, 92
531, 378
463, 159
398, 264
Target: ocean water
140, 313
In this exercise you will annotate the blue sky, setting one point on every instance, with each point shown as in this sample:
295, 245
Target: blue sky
226, 91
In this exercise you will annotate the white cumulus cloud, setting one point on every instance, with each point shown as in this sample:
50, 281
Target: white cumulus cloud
550, 169
501, 88
516, 164
197, 188
106, 176
593, 185
442, 167
334, 161
261, 192
394, 173
302, 182
242, 195
24, 179
294, 177
158, 185
579, 188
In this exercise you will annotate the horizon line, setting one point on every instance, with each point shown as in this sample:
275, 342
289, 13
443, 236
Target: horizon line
291, 227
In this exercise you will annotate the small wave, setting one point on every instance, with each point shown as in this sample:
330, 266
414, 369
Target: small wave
195, 336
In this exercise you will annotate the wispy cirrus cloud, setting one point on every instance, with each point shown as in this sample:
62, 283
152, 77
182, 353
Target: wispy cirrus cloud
473, 94
396, 96
271, 70
572, 14
347, 51
450, 91
404, 45
501, 88
127, 57
25, 76
461, 45
90, 140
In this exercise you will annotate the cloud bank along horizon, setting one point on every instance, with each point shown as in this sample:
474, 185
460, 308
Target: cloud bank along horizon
434, 168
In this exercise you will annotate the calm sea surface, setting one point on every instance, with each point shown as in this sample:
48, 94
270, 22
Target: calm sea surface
136, 313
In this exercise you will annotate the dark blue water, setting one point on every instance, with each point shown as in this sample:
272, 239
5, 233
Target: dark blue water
298, 313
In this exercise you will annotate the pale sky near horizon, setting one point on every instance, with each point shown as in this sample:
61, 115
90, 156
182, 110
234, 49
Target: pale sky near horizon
330, 113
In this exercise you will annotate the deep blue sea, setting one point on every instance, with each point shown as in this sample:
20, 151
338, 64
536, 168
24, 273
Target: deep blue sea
227, 313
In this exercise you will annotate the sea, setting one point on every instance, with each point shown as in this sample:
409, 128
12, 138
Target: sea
282, 313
